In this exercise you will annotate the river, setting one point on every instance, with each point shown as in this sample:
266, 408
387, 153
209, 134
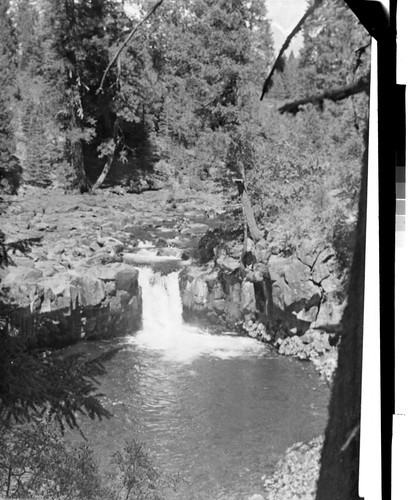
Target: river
218, 409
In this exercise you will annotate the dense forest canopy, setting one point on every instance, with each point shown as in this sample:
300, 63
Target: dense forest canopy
182, 100
182, 92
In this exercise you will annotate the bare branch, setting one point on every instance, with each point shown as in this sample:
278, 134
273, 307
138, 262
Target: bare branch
286, 43
361, 85
125, 43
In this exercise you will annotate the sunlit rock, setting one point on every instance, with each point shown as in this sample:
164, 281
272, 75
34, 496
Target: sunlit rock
248, 299
276, 267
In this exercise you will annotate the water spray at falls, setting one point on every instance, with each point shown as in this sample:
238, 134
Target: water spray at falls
165, 331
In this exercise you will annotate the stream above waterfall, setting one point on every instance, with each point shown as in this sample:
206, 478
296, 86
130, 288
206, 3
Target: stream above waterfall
218, 409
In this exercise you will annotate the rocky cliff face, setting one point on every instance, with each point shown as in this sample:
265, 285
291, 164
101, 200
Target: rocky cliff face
288, 294
216, 296
91, 302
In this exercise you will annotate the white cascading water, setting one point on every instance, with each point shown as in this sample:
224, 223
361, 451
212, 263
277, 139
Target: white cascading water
164, 330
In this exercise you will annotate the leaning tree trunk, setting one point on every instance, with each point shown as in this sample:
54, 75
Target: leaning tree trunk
109, 162
248, 212
104, 173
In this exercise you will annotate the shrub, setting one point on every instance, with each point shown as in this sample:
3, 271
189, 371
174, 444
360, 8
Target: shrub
36, 462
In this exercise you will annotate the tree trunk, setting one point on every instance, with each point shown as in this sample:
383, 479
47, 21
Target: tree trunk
76, 156
77, 161
248, 212
105, 172
109, 162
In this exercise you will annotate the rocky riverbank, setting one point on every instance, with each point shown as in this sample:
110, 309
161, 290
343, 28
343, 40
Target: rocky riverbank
296, 474
78, 278
294, 302
73, 280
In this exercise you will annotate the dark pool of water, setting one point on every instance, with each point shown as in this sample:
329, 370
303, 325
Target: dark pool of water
222, 421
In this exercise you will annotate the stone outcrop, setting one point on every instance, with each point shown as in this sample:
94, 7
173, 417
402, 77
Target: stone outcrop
289, 294
213, 295
307, 287
89, 302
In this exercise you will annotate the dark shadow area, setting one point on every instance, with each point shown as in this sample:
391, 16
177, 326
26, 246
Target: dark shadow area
134, 159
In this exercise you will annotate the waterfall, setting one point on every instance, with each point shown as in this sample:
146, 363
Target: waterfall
162, 303
164, 330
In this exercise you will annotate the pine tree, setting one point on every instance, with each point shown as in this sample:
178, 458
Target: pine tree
329, 57
64, 122
10, 170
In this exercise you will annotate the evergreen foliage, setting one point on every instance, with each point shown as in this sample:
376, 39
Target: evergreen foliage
36, 384
333, 38
10, 170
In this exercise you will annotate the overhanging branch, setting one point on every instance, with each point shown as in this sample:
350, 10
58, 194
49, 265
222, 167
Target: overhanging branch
286, 43
125, 43
361, 85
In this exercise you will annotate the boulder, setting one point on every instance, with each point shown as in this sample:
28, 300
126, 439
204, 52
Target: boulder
282, 294
233, 312
17, 275
308, 252
70, 290
276, 267
218, 304
324, 266
227, 263
120, 300
261, 251
196, 228
331, 284
308, 315
47, 267
41, 226
104, 273
90, 290
55, 294
95, 246
110, 243
199, 292
329, 316
248, 298
110, 288
320, 272
296, 272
